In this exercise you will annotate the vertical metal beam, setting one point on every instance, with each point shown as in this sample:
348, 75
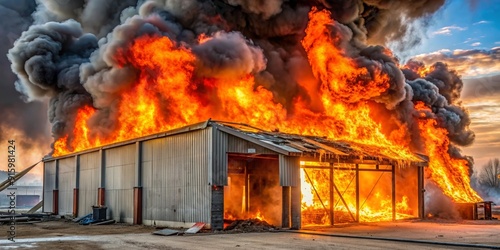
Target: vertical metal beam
357, 193
77, 171
138, 164
137, 205
102, 180
295, 201
393, 172
247, 190
420, 192
77, 186
286, 207
56, 184
331, 203
44, 183
55, 201
75, 202
137, 215
101, 197
55, 192
217, 208
102, 169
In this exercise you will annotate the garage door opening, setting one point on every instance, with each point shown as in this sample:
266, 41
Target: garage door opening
253, 189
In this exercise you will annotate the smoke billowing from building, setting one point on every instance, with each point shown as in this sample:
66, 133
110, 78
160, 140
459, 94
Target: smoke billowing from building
69, 55
21, 121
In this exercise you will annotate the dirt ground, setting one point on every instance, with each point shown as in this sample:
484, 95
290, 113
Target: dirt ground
62, 234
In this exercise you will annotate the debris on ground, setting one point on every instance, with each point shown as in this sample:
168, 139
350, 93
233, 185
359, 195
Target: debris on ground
167, 232
78, 219
195, 228
105, 222
249, 225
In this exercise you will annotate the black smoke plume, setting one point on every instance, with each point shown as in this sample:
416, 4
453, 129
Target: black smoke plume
29, 119
68, 54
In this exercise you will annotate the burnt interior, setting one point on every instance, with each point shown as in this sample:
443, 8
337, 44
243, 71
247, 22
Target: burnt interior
253, 189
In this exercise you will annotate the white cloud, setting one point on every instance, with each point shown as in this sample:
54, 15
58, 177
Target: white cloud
475, 44
497, 42
481, 22
468, 63
448, 30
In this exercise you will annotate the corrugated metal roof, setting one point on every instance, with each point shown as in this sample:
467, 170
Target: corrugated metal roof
292, 144
281, 143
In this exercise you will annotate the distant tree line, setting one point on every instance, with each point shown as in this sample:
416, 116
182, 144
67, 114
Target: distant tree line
490, 174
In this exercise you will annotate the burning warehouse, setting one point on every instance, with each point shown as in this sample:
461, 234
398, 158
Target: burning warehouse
350, 115
213, 172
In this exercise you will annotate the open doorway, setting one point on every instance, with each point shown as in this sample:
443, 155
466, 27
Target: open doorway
253, 189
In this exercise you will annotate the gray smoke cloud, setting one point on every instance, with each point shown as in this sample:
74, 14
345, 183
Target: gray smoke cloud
440, 90
98, 17
27, 118
47, 60
69, 54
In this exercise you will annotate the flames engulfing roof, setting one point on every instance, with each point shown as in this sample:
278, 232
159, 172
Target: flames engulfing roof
282, 143
301, 145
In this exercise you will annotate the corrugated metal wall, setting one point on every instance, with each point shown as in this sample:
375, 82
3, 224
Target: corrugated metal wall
67, 181
219, 157
289, 170
89, 174
49, 181
175, 178
238, 145
224, 143
119, 182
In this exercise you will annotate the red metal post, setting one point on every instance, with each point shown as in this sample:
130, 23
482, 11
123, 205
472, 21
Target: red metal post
75, 202
137, 205
100, 196
55, 201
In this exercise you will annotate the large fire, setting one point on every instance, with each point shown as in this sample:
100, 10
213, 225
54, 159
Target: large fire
169, 93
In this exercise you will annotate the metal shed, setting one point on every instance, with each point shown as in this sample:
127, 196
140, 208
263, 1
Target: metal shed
182, 176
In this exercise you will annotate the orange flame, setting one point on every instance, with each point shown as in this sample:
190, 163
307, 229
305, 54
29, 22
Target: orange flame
169, 94
450, 174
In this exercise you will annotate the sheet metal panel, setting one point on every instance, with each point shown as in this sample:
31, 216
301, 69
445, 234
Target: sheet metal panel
67, 178
176, 186
119, 182
89, 182
49, 183
219, 157
238, 145
289, 170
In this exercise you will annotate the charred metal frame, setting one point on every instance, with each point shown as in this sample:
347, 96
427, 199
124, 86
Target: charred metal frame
357, 169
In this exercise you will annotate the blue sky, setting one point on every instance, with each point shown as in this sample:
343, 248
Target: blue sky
471, 25
463, 25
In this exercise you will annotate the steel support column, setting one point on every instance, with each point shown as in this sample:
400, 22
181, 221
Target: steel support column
100, 196
357, 193
137, 205
55, 192
295, 201
77, 186
286, 207
420, 194
217, 208
331, 203
102, 169
75, 202
55, 201
393, 192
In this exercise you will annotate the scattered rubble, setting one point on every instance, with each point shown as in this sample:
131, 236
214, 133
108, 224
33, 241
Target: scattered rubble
249, 225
